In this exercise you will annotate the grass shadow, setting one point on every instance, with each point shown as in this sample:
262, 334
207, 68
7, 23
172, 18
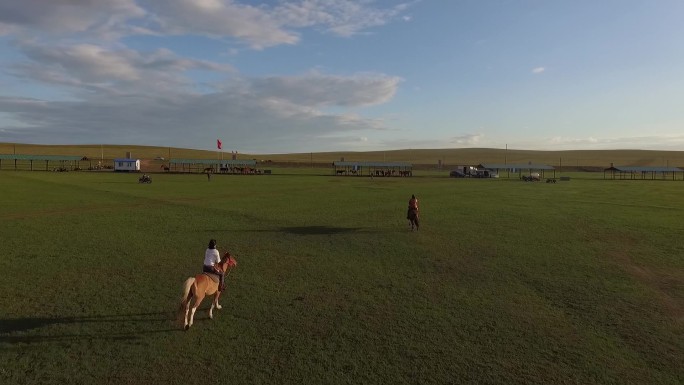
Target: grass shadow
11, 326
318, 230
300, 230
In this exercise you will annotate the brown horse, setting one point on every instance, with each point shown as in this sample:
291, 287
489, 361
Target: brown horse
200, 286
412, 216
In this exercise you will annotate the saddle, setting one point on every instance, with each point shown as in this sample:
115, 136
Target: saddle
213, 277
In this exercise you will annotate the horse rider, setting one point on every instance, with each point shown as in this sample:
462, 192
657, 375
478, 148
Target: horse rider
212, 257
412, 208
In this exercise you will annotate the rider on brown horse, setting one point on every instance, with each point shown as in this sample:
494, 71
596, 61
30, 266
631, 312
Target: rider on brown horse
211, 259
412, 213
203, 285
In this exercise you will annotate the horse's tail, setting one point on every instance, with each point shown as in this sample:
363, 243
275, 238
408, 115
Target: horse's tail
187, 286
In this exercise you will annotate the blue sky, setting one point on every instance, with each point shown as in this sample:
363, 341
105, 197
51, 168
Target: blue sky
342, 75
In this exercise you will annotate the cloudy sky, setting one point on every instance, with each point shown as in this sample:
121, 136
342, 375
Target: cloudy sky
276, 76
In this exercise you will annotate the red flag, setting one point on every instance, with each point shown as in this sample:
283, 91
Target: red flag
218, 143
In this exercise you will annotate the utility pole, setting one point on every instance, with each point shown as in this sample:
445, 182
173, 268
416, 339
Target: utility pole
506, 155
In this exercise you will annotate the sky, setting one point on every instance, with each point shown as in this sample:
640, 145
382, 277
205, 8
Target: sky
278, 76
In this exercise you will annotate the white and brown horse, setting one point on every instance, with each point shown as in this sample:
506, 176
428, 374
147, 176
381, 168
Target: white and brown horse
200, 286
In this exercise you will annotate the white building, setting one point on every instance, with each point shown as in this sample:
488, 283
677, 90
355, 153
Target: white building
125, 164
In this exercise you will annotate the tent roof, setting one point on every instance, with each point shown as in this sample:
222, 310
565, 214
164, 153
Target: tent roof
521, 166
39, 157
372, 164
240, 162
644, 169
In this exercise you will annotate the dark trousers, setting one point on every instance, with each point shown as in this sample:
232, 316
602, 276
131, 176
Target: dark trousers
210, 269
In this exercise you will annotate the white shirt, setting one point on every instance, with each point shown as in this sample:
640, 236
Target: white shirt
211, 257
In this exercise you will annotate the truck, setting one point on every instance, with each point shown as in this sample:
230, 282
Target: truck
472, 172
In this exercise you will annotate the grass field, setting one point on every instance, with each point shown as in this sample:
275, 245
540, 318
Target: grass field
578, 282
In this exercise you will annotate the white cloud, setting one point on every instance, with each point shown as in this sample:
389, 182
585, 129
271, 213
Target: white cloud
103, 90
538, 70
263, 26
251, 113
259, 26
346, 142
341, 17
656, 142
118, 70
467, 139
255, 25
66, 16
325, 90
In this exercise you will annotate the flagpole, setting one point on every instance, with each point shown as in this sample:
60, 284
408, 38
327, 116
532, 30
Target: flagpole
219, 151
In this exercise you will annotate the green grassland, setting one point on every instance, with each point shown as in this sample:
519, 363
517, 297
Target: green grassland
507, 282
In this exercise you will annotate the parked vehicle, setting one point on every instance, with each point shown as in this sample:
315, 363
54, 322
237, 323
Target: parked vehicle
533, 177
483, 174
457, 174
472, 172
475, 172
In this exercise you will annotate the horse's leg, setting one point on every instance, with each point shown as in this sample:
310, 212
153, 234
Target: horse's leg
200, 288
187, 297
198, 301
216, 298
186, 325
211, 308
214, 302
221, 286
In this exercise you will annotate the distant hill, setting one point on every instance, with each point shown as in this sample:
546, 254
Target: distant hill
448, 157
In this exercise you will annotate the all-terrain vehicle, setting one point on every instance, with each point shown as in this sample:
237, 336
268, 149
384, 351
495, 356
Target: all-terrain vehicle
533, 177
